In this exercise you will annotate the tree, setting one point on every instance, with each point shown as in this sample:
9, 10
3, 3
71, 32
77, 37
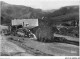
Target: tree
44, 34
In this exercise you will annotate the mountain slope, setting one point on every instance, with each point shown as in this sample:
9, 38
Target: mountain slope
19, 11
63, 11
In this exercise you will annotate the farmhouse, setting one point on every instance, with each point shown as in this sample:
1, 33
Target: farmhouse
26, 23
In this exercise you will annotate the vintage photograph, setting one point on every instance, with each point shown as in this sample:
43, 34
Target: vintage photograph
39, 27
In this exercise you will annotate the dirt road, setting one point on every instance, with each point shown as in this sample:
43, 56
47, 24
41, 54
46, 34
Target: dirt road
28, 47
57, 49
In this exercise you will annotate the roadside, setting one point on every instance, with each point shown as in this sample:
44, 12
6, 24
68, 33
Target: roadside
67, 37
9, 48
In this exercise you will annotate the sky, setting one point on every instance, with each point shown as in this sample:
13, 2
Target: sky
44, 4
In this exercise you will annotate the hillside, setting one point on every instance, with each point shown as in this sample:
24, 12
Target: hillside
9, 12
64, 10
